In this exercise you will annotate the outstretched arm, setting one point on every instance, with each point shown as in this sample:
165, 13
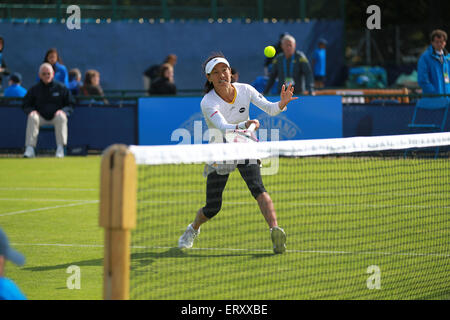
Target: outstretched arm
272, 108
286, 96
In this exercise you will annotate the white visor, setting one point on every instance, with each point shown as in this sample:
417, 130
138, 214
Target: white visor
211, 64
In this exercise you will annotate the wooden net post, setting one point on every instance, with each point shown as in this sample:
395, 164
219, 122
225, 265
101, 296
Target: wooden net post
118, 186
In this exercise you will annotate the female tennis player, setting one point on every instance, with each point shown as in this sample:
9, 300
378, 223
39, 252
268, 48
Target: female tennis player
226, 106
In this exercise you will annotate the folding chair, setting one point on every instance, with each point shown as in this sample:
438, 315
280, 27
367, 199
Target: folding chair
430, 105
45, 130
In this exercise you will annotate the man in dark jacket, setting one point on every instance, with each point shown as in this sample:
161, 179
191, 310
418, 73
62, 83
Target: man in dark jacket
47, 102
291, 67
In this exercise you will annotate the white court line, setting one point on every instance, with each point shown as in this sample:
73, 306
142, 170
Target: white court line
407, 194
47, 208
48, 189
412, 254
44, 200
59, 245
304, 204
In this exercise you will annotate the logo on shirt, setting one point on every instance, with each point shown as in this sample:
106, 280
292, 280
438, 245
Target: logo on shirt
55, 94
241, 110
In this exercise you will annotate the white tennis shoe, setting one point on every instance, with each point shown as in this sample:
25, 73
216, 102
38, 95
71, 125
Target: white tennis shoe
278, 239
59, 152
29, 152
187, 239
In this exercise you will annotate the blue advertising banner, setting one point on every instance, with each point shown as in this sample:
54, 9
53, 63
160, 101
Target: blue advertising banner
176, 120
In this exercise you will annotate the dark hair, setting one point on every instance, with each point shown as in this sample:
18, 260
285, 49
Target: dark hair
171, 58
208, 85
164, 67
2, 41
439, 34
53, 50
89, 75
16, 77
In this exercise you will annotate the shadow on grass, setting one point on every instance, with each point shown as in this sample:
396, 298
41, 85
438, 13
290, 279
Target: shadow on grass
143, 259
146, 258
83, 263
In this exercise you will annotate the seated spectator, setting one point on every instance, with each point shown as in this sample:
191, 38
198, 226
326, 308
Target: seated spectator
91, 86
153, 72
15, 89
3, 69
165, 84
60, 70
47, 102
75, 82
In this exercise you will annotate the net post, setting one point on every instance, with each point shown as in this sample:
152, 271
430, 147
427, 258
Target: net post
118, 186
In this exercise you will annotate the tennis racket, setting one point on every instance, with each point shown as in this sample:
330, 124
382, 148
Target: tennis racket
242, 135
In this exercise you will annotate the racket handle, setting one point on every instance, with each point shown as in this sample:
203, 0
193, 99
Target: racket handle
251, 127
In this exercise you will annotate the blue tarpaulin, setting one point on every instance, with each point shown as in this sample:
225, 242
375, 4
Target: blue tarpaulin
121, 51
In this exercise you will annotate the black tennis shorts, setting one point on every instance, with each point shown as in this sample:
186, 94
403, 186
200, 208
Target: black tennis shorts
215, 184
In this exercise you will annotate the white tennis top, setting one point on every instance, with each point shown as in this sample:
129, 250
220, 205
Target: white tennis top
223, 116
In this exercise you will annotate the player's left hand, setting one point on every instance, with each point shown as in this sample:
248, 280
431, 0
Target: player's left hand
286, 96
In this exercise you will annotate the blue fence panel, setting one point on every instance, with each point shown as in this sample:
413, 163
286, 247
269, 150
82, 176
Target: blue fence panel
121, 51
180, 120
176, 120
371, 120
95, 127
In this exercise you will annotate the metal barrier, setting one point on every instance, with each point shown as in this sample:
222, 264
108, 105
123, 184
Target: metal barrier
349, 96
362, 96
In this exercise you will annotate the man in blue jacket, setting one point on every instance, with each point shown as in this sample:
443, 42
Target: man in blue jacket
434, 66
15, 89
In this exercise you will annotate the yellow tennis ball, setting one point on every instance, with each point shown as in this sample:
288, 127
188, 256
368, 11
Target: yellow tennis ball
269, 51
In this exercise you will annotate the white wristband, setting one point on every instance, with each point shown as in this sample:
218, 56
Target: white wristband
241, 125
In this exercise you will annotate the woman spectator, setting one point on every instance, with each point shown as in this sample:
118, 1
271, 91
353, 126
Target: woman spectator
165, 84
91, 86
55, 60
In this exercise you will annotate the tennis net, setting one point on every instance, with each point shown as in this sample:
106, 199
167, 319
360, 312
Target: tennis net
365, 218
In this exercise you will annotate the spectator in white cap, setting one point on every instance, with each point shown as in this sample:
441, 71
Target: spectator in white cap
225, 106
8, 289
